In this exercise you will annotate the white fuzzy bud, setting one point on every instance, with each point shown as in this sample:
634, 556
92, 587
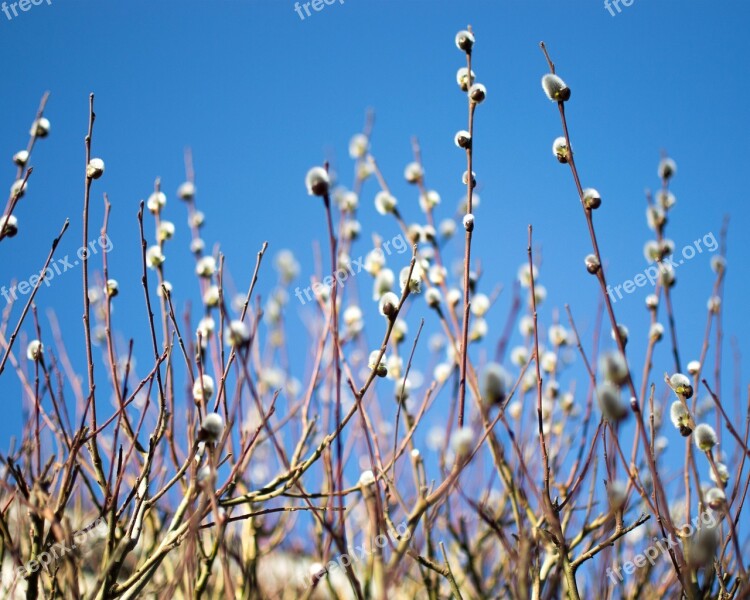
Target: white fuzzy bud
723, 472
477, 93
317, 181
624, 333
519, 356
478, 330
206, 328
705, 437
165, 231
197, 220
21, 157
206, 267
164, 288
447, 228
560, 149
40, 128
651, 251
480, 304
353, 319
211, 428
112, 288
211, 296
718, 263
384, 281
237, 334
367, 478
413, 173
680, 417
613, 367
555, 88
655, 217
34, 350
463, 79
463, 139
380, 367
186, 191
385, 203
469, 222
666, 199
701, 548
156, 202
8, 226
203, 389
526, 325
388, 304
515, 409
667, 168
155, 257
429, 200
358, 146
548, 362
496, 382
592, 263
95, 168
610, 402
715, 498
414, 281
18, 188
558, 335
524, 274
442, 372
462, 442
433, 297
616, 493
591, 198
681, 385
465, 179
465, 41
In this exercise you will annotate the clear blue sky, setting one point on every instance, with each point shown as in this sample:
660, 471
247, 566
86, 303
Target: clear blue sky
261, 95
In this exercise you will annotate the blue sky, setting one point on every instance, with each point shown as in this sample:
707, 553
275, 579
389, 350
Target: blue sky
261, 95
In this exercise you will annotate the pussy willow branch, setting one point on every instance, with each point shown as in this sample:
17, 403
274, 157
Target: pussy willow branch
163, 414
668, 296
551, 512
338, 483
13, 200
93, 445
33, 134
719, 320
467, 252
14, 335
540, 418
233, 354
660, 499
